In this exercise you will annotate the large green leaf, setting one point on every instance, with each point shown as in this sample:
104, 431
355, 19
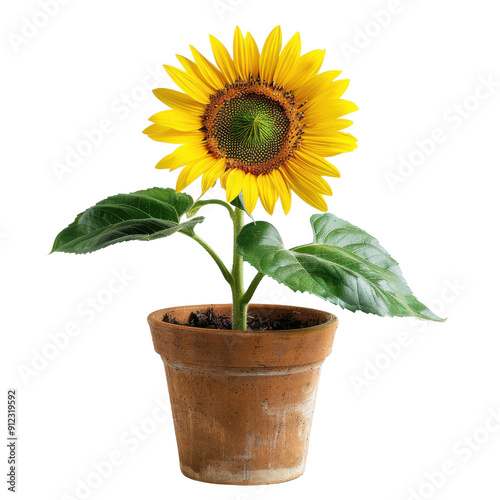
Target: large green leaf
343, 265
332, 230
143, 215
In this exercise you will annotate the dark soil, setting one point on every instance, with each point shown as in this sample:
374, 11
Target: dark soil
208, 319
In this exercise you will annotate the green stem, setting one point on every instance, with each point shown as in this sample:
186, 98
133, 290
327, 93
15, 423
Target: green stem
217, 259
235, 278
238, 288
202, 203
247, 297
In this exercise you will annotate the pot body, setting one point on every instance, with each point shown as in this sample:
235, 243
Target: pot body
242, 401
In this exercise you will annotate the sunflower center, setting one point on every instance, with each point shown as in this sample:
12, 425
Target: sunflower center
251, 128
254, 126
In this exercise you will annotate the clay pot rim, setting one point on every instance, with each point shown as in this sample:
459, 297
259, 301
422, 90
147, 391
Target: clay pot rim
156, 317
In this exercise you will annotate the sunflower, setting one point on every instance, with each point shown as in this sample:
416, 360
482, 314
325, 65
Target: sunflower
262, 123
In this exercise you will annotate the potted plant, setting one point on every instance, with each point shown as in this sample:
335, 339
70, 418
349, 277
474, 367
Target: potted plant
243, 377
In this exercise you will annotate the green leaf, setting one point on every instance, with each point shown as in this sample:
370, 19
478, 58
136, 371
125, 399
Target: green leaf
332, 230
143, 215
344, 265
239, 203
180, 201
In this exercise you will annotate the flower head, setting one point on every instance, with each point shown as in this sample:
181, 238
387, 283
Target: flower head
262, 123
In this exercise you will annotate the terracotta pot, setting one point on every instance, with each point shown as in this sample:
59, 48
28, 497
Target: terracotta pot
242, 401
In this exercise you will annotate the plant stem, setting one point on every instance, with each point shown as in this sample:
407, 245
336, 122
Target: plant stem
217, 259
202, 203
238, 287
247, 297
235, 278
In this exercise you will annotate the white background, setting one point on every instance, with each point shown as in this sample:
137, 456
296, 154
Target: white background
383, 425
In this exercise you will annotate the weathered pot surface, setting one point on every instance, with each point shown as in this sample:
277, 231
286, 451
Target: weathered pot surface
242, 401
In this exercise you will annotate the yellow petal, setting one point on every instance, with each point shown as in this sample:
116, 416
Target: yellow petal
307, 66
338, 138
307, 179
153, 129
316, 163
223, 179
208, 70
316, 86
250, 192
337, 89
253, 56
166, 162
171, 136
328, 95
234, 183
192, 171
210, 177
223, 60
330, 146
195, 73
270, 55
240, 55
327, 128
178, 120
326, 135
178, 100
182, 182
310, 197
321, 111
267, 192
283, 190
288, 58
187, 153
196, 90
